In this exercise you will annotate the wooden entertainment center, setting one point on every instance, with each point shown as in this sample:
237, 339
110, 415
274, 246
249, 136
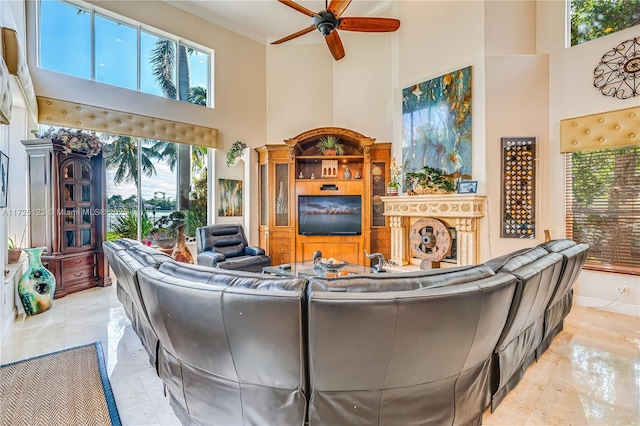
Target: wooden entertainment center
298, 169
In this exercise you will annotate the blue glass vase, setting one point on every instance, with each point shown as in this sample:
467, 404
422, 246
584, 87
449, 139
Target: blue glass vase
37, 285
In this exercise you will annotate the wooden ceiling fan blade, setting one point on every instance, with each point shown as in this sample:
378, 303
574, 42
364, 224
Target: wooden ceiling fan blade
369, 25
335, 45
337, 7
294, 35
299, 8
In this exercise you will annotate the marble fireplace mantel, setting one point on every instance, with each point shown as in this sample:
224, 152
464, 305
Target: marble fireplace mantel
460, 210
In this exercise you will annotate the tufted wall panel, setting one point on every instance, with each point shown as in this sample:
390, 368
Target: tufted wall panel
71, 114
605, 130
14, 56
6, 99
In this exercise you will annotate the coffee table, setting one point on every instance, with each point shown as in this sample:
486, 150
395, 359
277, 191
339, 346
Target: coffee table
306, 269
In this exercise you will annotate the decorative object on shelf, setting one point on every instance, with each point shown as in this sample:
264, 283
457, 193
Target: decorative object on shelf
37, 285
467, 186
357, 175
330, 145
74, 140
313, 175
300, 176
181, 252
436, 117
235, 152
518, 187
394, 180
618, 73
4, 179
428, 181
430, 241
347, 173
230, 197
329, 168
281, 201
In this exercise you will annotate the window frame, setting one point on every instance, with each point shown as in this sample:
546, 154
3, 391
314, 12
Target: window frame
93, 10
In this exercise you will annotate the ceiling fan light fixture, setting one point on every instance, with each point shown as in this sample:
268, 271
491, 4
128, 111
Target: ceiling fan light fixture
326, 22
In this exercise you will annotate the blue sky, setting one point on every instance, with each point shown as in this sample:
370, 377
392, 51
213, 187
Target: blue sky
65, 46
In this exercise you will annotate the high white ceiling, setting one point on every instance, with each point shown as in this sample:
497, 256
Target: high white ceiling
268, 20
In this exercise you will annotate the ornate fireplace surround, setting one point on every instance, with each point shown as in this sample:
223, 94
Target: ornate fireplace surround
460, 210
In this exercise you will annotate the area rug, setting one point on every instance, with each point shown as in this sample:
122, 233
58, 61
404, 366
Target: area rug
68, 387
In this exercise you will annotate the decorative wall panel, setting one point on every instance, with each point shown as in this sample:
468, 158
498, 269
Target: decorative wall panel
518, 187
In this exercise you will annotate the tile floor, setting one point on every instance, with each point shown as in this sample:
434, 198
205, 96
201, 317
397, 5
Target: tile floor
589, 376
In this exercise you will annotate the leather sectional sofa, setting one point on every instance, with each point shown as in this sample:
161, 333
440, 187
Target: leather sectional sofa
425, 347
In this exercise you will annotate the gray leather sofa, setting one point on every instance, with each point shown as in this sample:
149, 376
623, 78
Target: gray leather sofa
427, 347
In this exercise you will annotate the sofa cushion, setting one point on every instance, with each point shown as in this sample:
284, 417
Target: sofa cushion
229, 278
148, 256
404, 281
512, 261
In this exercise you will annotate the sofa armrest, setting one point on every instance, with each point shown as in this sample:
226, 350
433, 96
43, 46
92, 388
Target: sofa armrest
210, 258
253, 251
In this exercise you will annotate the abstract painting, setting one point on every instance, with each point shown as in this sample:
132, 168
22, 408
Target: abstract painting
4, 179
230, 201
436, 125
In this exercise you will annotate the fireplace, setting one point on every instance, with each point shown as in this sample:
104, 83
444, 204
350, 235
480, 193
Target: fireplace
461, 211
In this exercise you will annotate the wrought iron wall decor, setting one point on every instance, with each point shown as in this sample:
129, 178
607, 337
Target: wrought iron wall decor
618, 73
518, 187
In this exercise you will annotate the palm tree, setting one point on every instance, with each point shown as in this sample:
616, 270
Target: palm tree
122, 155
163, 60
168, 152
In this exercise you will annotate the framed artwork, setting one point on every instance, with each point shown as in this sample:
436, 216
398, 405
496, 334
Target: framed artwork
230, 201
518, 187
468, 187
4, 178
436, 125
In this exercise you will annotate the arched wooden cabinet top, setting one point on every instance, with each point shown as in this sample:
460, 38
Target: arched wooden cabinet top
354, 143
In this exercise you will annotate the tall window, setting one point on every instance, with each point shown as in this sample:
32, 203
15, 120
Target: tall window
603, 207
77, 40
591, 19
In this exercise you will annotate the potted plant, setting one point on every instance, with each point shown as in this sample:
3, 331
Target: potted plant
235, 152
14, 251
428, 181
165, 230
330, 145
394, 180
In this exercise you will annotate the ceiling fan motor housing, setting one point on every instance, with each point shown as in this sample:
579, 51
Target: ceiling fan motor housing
326, 22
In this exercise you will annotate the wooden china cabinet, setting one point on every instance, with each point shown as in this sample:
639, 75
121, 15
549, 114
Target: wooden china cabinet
290, 174
67, 214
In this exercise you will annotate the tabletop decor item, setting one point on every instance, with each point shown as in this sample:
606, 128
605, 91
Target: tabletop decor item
181, 252
37, 285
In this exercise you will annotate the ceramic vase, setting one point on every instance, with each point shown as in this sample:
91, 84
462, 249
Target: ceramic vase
181, 252
347, 173
37, 285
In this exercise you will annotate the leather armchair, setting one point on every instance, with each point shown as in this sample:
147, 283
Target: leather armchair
225, 246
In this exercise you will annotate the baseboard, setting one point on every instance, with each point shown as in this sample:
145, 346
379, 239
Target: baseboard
607, 305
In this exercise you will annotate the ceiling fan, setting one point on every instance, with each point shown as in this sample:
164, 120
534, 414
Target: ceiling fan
329, 20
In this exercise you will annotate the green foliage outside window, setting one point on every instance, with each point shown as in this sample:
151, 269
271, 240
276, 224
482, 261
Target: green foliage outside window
591, 19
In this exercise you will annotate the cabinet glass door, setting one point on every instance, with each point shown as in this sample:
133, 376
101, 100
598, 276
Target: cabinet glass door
77, 200
282, 195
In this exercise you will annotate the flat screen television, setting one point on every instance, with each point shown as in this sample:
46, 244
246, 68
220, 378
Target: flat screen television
329, 215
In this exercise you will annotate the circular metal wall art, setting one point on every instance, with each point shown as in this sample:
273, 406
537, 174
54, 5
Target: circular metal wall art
618, 73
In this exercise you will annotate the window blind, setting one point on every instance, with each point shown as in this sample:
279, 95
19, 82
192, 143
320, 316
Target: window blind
603, 207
